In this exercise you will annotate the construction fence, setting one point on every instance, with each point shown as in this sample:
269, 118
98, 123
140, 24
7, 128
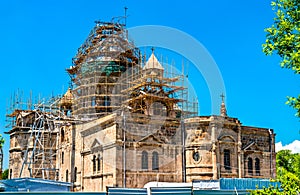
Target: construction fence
222, 186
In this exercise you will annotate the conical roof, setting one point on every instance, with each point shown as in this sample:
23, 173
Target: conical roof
153, 63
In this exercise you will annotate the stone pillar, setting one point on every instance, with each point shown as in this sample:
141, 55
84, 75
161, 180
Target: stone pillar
218, 159
240, 153
214, 161
82, 166
214, 156
241, 164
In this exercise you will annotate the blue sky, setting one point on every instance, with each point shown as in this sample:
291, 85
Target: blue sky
39, 39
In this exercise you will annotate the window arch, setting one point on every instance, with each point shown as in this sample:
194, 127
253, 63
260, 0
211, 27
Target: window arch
250, 166
227, 164
144, 160
94, 163
155, 161
257, 166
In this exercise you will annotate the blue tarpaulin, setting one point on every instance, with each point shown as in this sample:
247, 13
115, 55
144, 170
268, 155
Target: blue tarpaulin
246, 183
126, 191
34, 185
214, 187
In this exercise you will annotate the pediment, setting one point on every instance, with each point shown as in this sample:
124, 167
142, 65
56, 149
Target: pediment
155, 138
96, 144
226, 138
252, 146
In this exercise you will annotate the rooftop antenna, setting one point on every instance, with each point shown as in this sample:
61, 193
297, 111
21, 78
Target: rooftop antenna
182, 67
125, 15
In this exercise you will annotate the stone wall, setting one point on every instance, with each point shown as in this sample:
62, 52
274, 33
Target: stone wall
91, 154
209, 138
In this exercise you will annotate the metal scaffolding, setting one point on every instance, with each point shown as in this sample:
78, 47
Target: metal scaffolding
34, 128
108, 74
157, 89
99, 62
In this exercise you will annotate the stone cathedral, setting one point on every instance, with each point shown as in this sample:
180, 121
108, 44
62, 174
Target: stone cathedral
126, 121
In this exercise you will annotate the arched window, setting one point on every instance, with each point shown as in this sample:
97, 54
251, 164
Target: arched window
10, 173
144, 160
67, 175
155, 162
257, 166
94, 163
250, 166
227, 165
62, 157
75, 174
62, 134
98, 163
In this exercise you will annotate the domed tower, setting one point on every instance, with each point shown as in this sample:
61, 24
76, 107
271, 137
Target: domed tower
100, 61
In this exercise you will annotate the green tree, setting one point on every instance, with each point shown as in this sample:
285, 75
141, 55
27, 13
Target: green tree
1, 145
288, 174
5, 174
267, 191
290, 183
283, 38
288, 161
1, 141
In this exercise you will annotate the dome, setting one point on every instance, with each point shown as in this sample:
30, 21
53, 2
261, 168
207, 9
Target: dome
67, 99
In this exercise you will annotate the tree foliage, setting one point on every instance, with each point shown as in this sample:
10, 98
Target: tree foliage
283, 38
288, 171
288, 174
288, 161
1, 141
290, 183
5, 174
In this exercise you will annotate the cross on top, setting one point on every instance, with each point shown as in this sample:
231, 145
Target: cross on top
152, 49
223, 97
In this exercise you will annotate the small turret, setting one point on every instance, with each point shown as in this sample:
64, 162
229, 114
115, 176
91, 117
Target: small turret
153, 66
67, 101
223, 111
